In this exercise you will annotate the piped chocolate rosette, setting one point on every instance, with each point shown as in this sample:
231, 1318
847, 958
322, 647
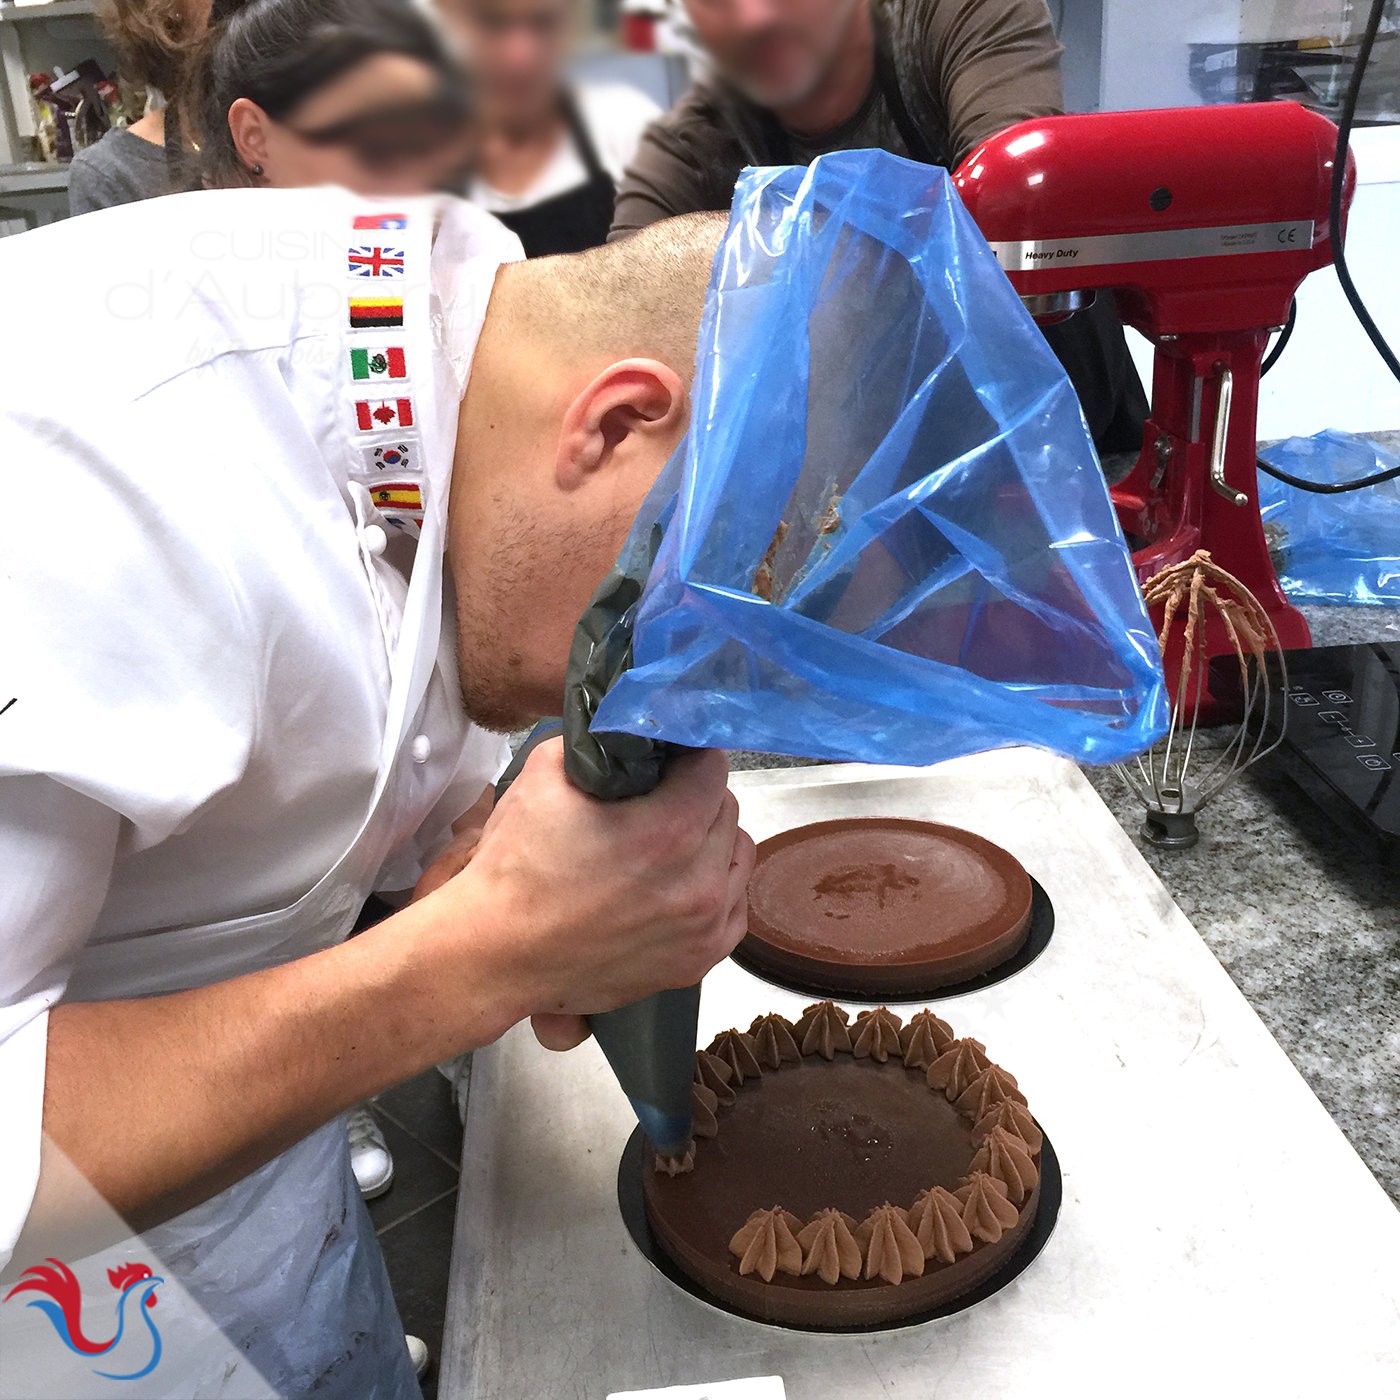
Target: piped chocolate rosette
847, 1173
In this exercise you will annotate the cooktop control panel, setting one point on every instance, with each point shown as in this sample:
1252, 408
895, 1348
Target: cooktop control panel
1342, 739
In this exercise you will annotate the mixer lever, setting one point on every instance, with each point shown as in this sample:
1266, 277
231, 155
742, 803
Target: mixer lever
1217, 446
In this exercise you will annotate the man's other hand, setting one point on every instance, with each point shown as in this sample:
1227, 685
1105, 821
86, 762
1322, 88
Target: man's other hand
575, 905
455, 856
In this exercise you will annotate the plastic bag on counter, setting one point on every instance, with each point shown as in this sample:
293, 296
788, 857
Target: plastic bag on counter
892, 542
1333, 549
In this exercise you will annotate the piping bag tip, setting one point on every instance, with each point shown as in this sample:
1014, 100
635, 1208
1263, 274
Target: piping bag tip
651, 1048
668, 1134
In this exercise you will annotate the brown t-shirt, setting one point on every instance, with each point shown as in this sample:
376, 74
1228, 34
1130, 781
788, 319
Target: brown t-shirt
966, 69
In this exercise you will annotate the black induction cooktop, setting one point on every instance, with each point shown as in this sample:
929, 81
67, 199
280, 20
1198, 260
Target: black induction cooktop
1341, 743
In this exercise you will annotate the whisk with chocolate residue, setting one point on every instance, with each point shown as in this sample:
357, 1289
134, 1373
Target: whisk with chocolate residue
1181, 773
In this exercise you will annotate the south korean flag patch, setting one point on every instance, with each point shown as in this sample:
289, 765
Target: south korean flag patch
393, 457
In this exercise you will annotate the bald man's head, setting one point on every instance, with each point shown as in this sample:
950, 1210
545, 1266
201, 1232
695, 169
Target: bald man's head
579, 393
641, 296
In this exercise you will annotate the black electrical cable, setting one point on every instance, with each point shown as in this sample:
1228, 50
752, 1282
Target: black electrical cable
1339, 170
1327, 488
1272, 358
1339, 260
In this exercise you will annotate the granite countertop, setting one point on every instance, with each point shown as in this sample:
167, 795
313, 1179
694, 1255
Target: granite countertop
1307, 925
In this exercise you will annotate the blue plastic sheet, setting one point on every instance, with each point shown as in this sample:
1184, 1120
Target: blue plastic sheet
1333, 549
893, 542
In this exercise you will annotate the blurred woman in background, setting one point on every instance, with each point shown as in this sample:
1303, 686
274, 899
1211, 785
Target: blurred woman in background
153, 40
550, 153
360, 93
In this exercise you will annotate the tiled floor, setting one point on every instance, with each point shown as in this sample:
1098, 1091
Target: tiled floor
414, 1218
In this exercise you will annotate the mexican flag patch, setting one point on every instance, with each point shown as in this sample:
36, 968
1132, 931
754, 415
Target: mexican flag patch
378, 362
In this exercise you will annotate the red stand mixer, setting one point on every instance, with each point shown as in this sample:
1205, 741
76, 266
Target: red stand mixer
1202, 221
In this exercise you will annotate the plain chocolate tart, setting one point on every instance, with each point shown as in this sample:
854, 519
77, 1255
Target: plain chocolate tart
846, 1173
874, 907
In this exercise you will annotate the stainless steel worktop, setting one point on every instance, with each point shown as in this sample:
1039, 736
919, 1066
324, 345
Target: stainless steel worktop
1218, 1235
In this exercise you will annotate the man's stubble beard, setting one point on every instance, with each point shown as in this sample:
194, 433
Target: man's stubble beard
822, 62
538, 574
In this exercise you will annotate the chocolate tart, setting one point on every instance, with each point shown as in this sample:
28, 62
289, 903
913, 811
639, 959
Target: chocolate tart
847, 1174
872, 907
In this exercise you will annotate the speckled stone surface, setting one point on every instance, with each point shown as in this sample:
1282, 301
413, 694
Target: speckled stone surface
1307, 925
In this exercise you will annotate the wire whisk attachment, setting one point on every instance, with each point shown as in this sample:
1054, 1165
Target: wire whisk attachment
1186, 769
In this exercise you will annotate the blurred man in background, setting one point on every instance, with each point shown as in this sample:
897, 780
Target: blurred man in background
551, 153
926, 79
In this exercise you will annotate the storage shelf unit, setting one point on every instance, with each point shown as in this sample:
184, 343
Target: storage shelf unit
38, 38
55, 9
32, 176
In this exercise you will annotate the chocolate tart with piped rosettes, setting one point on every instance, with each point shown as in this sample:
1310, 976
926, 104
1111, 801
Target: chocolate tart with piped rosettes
847, 1173
872, 907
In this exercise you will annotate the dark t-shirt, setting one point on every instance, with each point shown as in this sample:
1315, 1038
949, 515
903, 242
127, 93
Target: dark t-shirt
965, 68
119, 169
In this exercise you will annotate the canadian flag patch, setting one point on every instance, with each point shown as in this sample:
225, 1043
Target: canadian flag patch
376, 415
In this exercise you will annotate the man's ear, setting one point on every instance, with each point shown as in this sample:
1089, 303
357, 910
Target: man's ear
247, 124
630, 398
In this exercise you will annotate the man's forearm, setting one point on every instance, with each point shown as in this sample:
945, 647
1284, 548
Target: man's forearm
568, 906
164, 1102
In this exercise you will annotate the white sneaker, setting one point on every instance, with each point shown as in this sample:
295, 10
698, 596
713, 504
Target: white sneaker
458, 1073
417, 1354
369, 1153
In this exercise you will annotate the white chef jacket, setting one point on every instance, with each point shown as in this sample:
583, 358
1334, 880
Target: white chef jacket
229, 403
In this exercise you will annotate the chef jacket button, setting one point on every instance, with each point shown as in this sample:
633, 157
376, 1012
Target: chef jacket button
421, 749
375, 540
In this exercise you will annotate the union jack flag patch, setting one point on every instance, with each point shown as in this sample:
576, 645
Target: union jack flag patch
372, 260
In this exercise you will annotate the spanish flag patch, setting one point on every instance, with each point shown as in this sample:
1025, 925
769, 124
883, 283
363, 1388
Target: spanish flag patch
397, 495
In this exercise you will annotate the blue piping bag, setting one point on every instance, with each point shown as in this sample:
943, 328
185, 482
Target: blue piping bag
651, 1043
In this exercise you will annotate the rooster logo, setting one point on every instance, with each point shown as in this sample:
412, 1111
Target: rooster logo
63, 1304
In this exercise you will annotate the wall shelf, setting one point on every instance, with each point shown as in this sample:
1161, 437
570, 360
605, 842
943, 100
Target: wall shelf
32, 177
55, 9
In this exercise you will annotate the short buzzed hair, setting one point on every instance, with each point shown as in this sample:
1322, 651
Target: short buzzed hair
642, 295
